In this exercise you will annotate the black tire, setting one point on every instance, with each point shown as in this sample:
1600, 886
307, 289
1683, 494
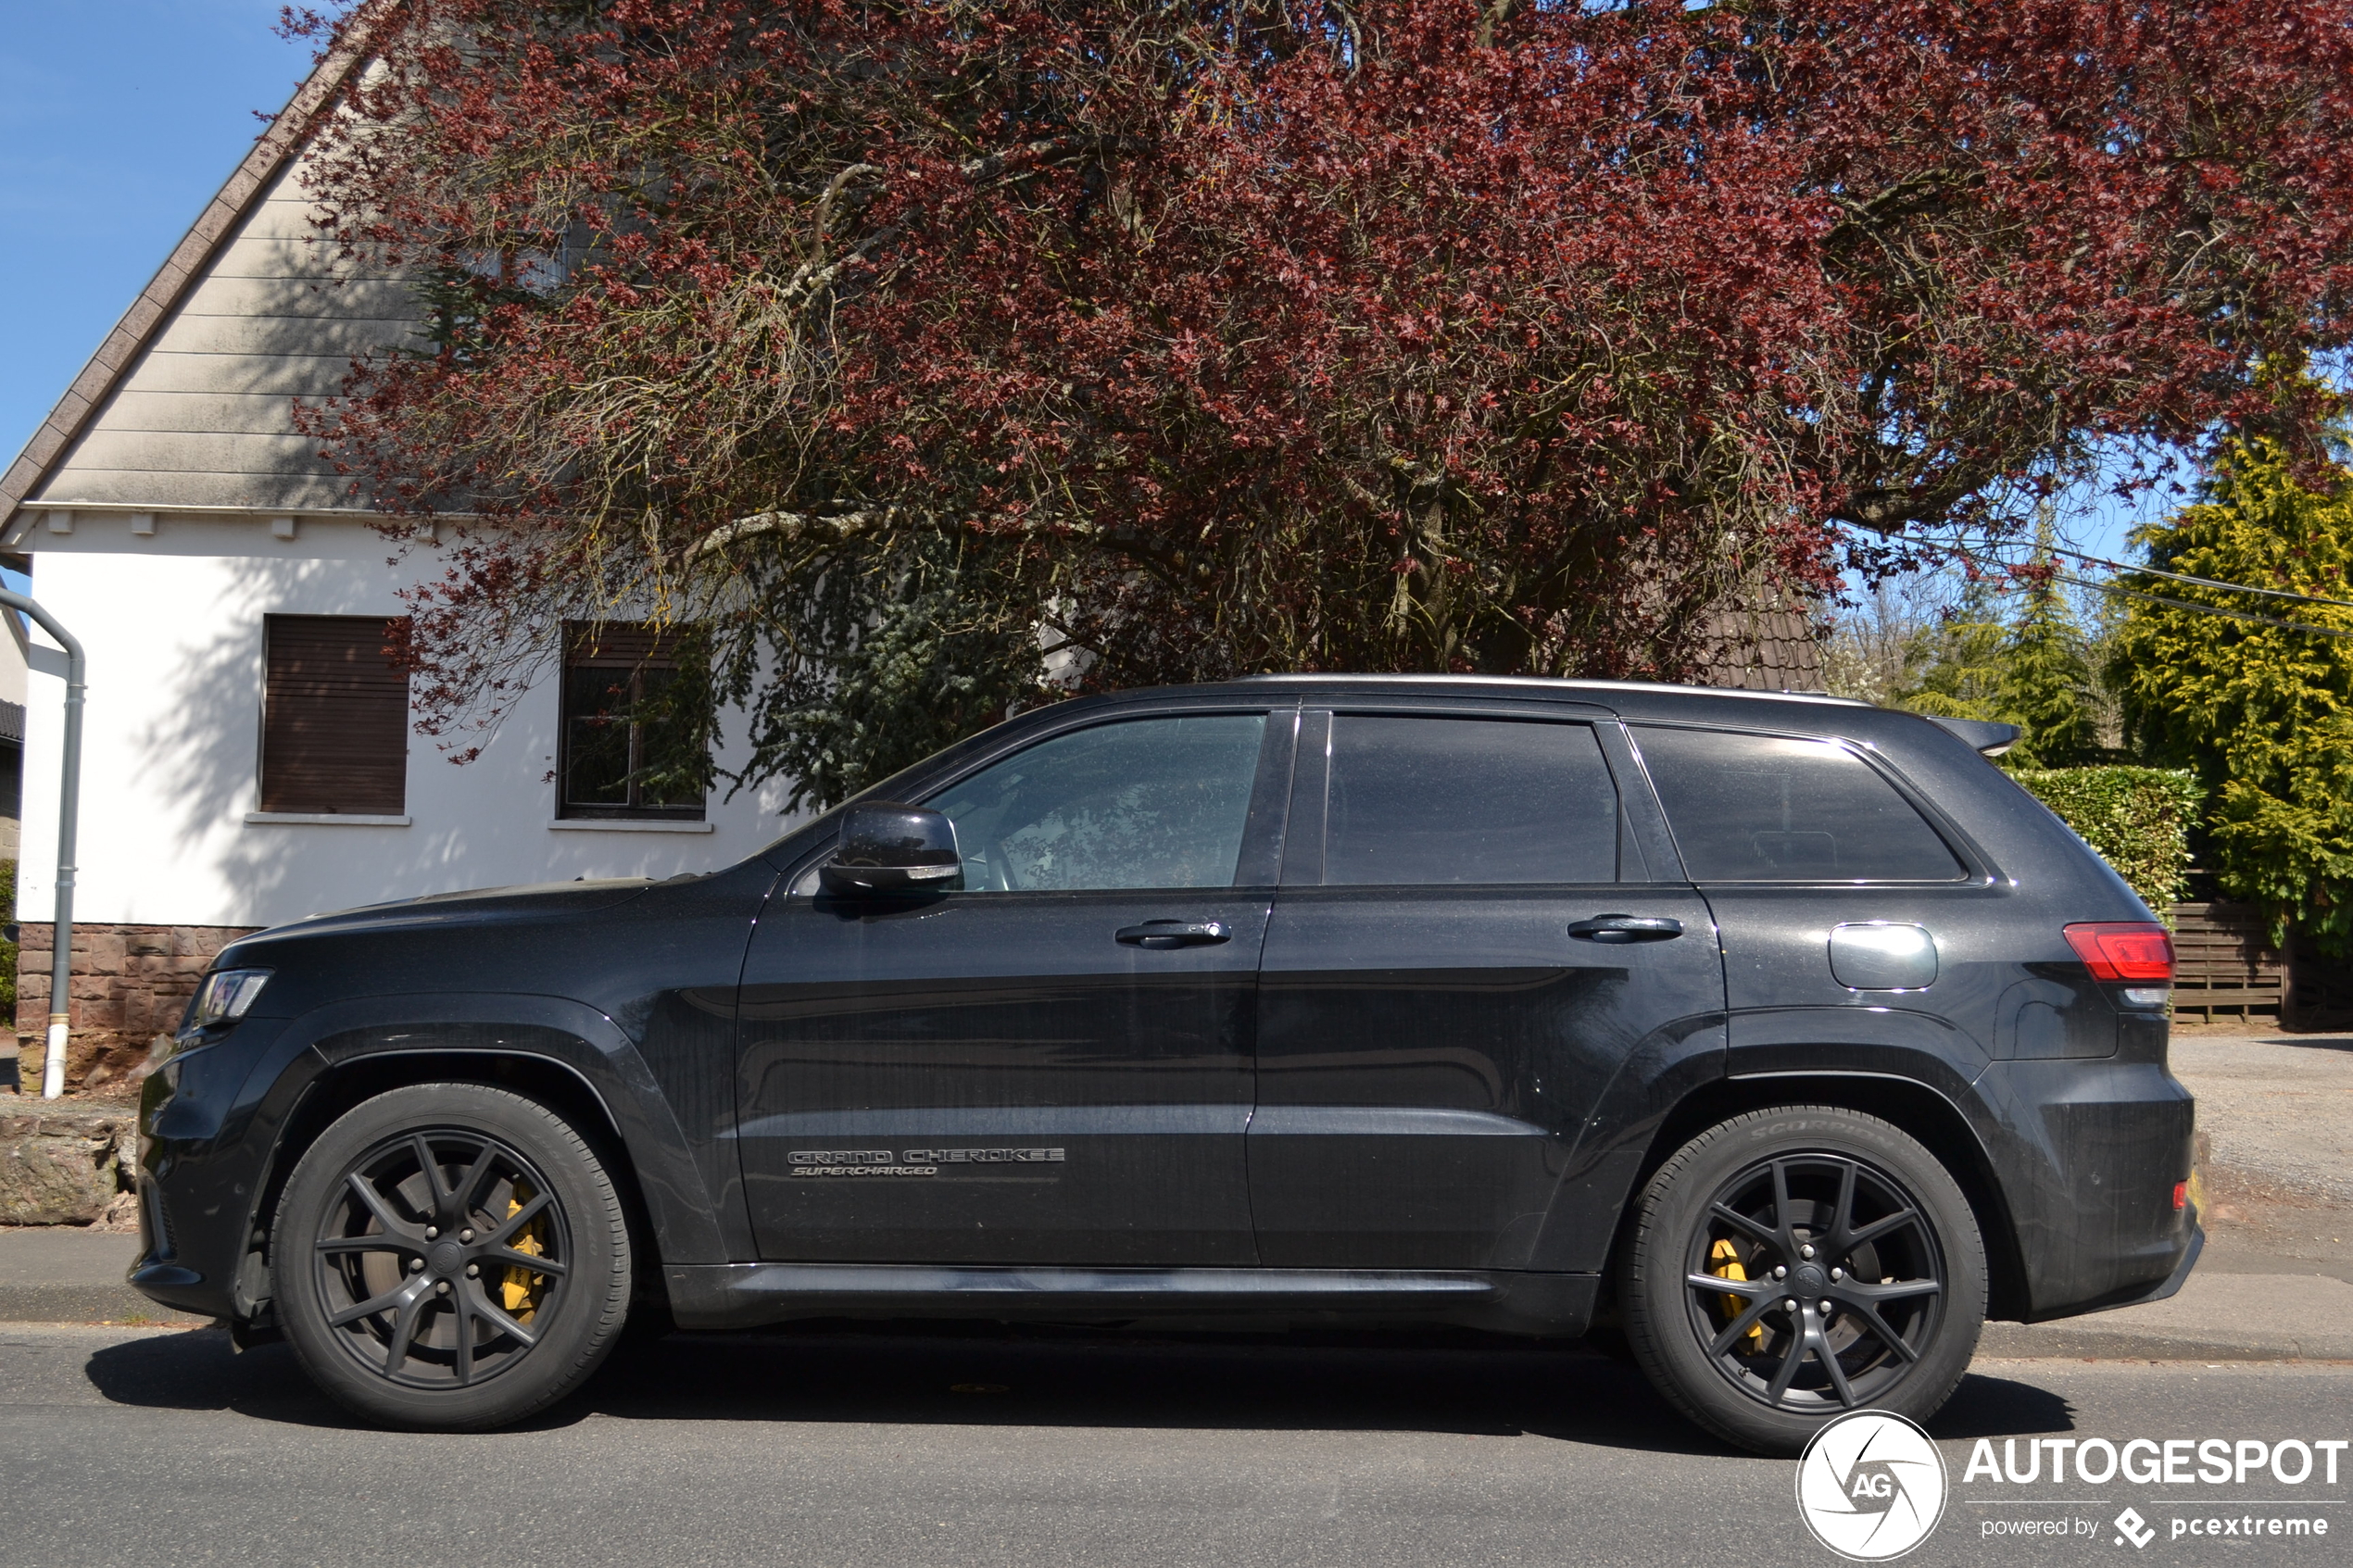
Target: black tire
470, 1330
1884, 1260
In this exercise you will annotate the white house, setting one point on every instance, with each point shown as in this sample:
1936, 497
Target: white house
249, 757
16, 649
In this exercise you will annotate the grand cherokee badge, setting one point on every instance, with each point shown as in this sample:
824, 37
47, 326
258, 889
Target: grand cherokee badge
918, 1161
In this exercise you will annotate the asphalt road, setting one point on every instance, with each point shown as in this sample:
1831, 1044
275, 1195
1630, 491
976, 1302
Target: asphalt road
128, 1445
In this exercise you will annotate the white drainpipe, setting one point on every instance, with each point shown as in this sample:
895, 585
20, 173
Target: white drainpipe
53, 1070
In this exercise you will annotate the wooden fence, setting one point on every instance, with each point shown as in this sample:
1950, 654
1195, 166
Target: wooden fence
2224, 961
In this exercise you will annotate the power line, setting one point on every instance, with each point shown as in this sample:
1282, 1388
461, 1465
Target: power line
2202, 581
2212, 609
2175, 576
2179, 604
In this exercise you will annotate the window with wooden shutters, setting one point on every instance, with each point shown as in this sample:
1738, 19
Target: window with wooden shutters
334, 717
615, 676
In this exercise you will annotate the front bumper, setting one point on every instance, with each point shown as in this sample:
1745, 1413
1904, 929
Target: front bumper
199, 1181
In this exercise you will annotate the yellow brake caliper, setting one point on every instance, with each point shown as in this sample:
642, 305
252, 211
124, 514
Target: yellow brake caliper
518, 1290
1724, 1263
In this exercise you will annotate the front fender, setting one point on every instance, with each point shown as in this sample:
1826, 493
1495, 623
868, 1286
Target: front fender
691, 1210
694, 1219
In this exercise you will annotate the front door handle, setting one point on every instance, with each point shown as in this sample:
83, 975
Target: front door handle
1174, 933
1627, 928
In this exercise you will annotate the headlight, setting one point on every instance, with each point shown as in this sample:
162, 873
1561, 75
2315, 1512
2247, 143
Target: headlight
228, 996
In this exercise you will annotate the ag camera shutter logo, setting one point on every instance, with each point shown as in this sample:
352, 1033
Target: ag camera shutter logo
1870, 1485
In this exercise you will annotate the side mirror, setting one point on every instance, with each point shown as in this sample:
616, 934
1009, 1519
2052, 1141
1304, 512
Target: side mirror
887, 847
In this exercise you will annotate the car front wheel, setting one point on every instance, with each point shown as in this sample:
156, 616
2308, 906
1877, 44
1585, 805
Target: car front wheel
451, 1257
1790, 1264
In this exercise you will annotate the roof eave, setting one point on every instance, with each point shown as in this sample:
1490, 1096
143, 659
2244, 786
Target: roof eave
89, 390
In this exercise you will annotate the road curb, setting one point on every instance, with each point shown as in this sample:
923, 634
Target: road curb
2028, 1342
84, 1303
2217, 1317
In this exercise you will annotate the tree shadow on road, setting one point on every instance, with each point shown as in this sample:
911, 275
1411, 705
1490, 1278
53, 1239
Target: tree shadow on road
2332, 1042
935, 1374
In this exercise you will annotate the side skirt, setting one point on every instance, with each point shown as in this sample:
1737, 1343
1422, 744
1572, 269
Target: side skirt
722, 1296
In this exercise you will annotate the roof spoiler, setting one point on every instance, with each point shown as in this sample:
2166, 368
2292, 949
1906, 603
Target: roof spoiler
1984, 737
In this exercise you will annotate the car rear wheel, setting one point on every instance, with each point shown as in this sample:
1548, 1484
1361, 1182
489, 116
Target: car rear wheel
451, 1257
1791, 1264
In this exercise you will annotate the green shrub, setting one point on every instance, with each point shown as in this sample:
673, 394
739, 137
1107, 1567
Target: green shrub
2138, 819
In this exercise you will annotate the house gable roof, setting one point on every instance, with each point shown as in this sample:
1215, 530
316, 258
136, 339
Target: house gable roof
222, 219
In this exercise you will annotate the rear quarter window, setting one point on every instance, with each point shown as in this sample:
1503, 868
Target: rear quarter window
1770, 809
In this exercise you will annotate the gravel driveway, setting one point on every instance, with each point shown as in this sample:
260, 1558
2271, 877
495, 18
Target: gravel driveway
2278, 1106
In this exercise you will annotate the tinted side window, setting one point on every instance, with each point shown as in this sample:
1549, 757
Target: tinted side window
1757, 808
1467, 800
1148, 803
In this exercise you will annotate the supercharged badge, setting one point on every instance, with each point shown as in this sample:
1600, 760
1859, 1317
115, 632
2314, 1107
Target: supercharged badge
854, 1162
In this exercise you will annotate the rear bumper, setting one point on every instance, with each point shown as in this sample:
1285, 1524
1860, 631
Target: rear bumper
2088, 1157
2179, 1277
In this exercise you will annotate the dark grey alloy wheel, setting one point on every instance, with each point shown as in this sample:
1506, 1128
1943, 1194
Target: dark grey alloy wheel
440, 1250
1815, 1280
1790, 1264
450, 1256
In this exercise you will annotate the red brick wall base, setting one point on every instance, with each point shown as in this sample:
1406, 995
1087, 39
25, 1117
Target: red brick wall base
131, 984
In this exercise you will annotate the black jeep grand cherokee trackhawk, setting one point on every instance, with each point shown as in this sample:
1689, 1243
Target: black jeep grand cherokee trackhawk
1785, 1034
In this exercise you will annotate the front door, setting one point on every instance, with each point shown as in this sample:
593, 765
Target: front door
1455, 969
1051, 1066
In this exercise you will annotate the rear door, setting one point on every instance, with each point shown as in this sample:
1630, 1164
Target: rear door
1053, 1065
1465, 948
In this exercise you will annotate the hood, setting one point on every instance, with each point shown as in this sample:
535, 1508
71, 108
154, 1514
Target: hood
479, 906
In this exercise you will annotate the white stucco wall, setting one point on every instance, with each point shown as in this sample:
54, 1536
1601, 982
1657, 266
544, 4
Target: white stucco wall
174, 628
12, 652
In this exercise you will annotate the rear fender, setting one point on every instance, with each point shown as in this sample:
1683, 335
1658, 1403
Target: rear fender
1908, 1068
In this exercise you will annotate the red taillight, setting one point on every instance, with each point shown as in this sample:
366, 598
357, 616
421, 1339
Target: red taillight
2134, 949
2180, 1195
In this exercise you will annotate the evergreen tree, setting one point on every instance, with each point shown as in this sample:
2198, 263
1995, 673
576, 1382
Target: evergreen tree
2032, 668
1955, 665
2257, 699
2046, 685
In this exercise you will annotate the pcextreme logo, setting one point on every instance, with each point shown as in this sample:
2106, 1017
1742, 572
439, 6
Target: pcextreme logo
1870, 1485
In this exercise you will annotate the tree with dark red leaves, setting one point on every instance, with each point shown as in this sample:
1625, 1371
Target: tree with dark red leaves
923, 356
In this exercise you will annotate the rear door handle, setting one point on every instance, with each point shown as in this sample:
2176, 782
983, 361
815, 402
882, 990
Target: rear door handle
1627, 928
1174, 933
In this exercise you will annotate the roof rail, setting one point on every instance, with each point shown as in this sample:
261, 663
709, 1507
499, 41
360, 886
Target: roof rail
1552, 683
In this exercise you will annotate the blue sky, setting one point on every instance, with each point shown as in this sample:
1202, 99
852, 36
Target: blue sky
119, 120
